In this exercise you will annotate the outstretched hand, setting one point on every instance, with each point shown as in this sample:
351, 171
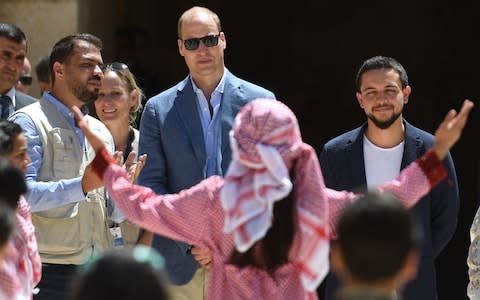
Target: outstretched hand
95, 141
450, 130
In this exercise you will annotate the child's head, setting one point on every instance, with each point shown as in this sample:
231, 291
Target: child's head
13, 145
378, 242
12, 183
122, 274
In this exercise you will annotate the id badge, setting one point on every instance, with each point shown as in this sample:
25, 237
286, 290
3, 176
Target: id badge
116, 233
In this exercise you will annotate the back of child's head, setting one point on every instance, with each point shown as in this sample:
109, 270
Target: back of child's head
122, 274
8, 131
375, 235
12, 183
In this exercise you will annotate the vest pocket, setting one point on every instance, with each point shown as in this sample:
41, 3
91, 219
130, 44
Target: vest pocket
57, 230
65, 163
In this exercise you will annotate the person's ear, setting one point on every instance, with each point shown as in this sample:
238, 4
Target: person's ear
133, 99
58, 69
181, 48
406, 93
223, 39
358, 95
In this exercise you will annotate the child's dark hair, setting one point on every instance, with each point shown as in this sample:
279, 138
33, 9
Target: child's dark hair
8, 132
12, 182
276, 244
122, 274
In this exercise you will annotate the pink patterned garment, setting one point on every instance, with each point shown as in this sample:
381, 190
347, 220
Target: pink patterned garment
266, 146
21, 269
196, 216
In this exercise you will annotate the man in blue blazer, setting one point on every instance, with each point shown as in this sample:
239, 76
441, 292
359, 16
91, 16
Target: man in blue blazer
376, 152
185, 133
13, 47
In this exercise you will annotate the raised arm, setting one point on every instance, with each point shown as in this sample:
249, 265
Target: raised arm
420, 176
169, 214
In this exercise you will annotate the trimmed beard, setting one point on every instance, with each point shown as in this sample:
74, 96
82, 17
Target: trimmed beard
384, 124
84, 95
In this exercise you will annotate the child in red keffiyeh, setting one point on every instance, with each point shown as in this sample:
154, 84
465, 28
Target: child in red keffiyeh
20, 271
269, 221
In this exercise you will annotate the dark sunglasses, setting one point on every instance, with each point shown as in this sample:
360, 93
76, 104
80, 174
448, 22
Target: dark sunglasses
26, 80
116, 66
209, 41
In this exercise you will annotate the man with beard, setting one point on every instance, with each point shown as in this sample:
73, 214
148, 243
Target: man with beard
375, 152
69, 211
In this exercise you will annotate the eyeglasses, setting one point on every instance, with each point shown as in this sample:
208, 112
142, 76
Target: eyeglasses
26, 80
116, 66
210, 40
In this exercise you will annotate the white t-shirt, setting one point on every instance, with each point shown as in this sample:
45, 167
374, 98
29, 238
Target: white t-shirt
381, 164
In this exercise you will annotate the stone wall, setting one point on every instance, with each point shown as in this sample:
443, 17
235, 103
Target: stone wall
44, 22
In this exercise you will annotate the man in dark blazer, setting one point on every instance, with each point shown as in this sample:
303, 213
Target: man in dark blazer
13, 49
375, 152
185, 133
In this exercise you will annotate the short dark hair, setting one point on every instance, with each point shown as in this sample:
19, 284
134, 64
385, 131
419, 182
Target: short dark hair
7, 222
375, 235
65, 48
42, 69
12, 181
8, 132
381, 62
12, 32
122, 274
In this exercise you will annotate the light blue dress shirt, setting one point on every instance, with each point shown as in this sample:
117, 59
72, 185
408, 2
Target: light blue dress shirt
211, 127
47, 195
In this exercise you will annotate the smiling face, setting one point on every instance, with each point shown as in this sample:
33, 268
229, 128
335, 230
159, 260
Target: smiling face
382, 97
114, 100
19, 155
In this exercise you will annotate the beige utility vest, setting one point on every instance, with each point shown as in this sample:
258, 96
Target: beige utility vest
68, 234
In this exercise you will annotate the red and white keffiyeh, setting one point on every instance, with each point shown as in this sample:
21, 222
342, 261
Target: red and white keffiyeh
266, 143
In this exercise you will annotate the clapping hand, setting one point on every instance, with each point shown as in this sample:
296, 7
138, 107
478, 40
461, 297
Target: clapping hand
133, 168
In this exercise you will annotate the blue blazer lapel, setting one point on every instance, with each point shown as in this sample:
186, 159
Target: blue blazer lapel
186, 107
413, 145
232, 102
356, 162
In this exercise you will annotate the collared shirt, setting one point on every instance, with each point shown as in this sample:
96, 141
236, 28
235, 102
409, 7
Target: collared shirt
211, 126
47, 195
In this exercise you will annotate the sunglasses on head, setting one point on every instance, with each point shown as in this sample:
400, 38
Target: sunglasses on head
210, 40
116, 66
26, 79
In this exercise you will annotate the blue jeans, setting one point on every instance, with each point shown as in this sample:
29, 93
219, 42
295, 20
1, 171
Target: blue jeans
55, 282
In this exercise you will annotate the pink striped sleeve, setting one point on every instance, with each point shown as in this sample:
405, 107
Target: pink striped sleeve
417, 179
413, 183
27, 231
181, 216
